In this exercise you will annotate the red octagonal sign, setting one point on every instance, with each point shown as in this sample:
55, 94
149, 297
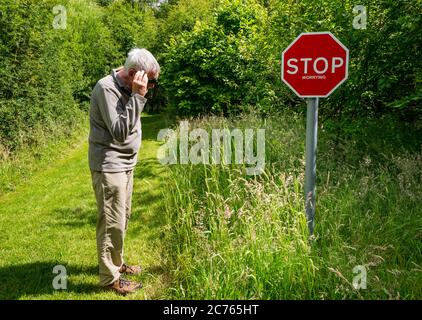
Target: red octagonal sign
315, 64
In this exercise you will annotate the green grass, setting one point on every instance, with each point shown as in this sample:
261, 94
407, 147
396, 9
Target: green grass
243, 237
39, 149
50, 220
207, 231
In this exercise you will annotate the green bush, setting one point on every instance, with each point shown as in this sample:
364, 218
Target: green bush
385, 58
230, 54
47, 72
131, 25
219, 65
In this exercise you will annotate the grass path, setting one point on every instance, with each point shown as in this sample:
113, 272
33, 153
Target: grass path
51, 219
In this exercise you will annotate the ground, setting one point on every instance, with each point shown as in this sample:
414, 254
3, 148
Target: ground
50, 220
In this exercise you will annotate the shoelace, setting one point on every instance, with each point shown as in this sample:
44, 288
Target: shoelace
125, 267
123, 282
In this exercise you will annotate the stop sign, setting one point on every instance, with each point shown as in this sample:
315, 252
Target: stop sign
315, 64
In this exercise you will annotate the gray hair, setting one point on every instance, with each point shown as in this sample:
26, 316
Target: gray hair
142, 59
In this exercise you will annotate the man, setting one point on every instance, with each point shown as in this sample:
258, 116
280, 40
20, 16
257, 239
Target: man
114, 140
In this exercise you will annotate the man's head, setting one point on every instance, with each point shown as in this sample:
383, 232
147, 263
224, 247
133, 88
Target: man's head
142, 59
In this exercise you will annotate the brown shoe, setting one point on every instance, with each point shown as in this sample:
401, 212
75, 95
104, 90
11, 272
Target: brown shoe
132, 270
124, 287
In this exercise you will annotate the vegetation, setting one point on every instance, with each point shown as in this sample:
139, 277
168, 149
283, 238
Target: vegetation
236, 236
50, 221
217, 56
233, 58
47, 73
225, 234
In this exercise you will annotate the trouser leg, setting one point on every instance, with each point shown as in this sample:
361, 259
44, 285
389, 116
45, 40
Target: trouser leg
129, 191
110, 192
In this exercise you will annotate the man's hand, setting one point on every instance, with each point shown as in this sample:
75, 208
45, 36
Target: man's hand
140, 83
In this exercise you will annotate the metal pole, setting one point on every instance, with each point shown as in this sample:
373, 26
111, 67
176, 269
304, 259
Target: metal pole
310, 173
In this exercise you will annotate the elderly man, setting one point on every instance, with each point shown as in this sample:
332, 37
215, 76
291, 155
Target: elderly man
114, 140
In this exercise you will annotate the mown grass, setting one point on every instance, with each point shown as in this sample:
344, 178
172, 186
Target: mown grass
235, 236
50, 219
39, 149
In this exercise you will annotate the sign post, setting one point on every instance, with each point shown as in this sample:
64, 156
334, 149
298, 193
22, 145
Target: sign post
313, 66
310, 158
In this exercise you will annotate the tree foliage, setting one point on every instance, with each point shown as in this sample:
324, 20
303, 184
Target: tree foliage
46, 73
215, 67
385, 64
216, 55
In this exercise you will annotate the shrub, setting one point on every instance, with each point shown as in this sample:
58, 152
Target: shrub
385, 58
217, 66
47, 72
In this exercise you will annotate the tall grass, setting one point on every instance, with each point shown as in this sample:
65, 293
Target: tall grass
234, 236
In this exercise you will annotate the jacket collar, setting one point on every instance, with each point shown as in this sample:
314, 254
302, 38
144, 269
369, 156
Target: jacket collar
120, 82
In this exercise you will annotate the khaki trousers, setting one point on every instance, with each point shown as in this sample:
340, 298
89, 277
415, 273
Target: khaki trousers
113, 191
